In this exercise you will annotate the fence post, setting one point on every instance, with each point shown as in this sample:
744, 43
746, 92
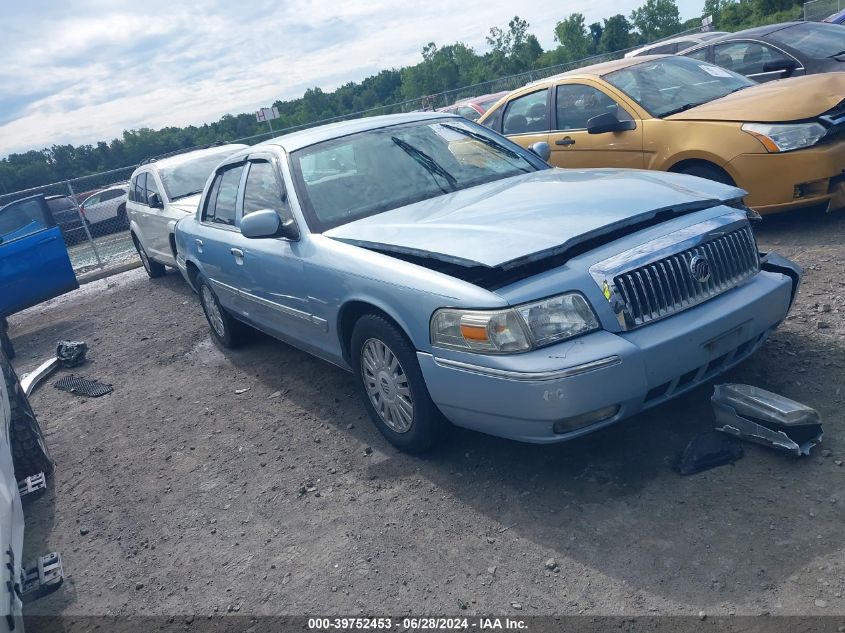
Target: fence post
84, 224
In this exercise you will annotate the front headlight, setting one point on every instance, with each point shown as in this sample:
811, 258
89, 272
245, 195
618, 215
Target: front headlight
515, 329
785, 137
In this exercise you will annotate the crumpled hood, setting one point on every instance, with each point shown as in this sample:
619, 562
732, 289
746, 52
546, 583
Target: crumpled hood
515, 220
783, 100
187, 205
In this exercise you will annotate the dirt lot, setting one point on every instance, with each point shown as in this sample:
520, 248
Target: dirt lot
178, 495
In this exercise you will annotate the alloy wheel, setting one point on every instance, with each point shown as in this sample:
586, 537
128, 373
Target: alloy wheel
387, 385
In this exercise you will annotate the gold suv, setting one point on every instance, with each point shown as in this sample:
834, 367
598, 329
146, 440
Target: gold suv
783, 141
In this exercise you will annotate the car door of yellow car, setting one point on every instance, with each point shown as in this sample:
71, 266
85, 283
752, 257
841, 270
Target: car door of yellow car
613, 140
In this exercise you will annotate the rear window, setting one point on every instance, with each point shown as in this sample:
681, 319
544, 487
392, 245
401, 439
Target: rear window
813, 39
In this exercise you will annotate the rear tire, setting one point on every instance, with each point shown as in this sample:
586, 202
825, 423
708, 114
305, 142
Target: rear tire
710, 172
153, 268
5, 342
228, 331
29, 449
391, 384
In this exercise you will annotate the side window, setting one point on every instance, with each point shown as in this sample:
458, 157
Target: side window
575, 104
700, 54
468, 113
527, 114
262, 190
747, 58
141, 188
111, 195
95, 200
130, 194
19, 219
152, 187
223, 197
663, 49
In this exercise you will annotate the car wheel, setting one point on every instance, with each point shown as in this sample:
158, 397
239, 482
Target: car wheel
29, 450
228, 331
5, 342
153, 268
710, 172
390, 382
122, 218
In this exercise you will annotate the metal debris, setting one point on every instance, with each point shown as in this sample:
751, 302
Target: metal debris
708, 451
68, 354
82, 386
766, 418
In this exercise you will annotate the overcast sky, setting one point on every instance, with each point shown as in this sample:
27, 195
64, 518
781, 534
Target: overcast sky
81, 71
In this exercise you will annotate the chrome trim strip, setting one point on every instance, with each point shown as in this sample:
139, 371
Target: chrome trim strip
536, 376
278, 307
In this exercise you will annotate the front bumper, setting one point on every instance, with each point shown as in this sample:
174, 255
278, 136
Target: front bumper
521, 397
791, 180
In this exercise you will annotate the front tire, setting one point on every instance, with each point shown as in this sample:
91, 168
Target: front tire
228, 331
710, 172
153, 268
391, 384
29, 449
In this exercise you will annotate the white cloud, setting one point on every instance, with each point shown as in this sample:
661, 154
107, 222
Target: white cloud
86, 75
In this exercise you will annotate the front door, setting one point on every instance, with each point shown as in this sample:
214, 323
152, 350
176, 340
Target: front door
34, 262
573, 146
271, 274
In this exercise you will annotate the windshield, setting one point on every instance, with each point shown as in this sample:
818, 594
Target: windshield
812, 39
673, 84
363, 174
187, 178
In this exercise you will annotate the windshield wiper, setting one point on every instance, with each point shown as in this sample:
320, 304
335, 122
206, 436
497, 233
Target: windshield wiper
486, 140
185, 195
683, 108
431, 165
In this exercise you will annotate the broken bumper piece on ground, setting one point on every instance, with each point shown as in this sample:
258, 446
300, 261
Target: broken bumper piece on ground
68, 354
760, 416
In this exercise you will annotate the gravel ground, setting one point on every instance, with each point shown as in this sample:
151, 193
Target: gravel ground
181, 493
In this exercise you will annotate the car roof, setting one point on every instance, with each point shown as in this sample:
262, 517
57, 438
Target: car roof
303, 138
178, 159
599, 70
757, 31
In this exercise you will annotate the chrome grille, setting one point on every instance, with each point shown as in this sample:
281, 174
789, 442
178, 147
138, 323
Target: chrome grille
666, 286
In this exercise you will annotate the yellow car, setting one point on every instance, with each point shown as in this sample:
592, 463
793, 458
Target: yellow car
782, 141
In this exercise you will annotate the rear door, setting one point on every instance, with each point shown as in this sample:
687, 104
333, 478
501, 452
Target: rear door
526, 118
34, 262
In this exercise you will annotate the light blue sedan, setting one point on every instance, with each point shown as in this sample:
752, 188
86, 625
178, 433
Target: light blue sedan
459, 277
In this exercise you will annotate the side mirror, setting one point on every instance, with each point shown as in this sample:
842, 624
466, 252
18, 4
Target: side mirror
608, 122
785, 65
267, 223
154, 201
542, 149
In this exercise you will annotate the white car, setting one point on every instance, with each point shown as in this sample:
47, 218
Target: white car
675, 44
25, 464
107, 207
162, 192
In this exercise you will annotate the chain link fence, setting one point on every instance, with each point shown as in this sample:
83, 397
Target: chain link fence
818, 10
91, 210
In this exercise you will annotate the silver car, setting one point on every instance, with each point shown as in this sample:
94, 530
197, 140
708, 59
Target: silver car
459, 277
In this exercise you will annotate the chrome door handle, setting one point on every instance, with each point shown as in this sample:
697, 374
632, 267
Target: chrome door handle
566, 141
198, 243
236, 252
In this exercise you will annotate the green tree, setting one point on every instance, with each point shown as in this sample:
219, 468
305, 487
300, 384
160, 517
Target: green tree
616, 35
656, 19
573, 38
596, 30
